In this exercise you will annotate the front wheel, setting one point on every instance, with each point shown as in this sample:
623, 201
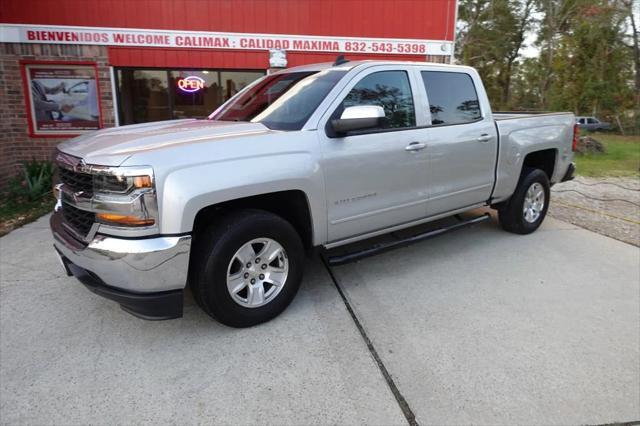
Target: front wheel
247, 267
527, 207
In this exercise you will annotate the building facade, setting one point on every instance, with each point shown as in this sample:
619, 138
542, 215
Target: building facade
73, 66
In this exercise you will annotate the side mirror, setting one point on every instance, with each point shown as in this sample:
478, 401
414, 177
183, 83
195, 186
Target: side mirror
358, 118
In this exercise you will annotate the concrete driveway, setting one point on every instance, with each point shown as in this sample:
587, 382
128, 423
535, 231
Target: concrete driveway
479, 326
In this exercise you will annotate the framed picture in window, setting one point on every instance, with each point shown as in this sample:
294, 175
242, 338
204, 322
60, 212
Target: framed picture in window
62, 98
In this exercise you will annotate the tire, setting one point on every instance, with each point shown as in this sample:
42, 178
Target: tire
513, 216
217, 253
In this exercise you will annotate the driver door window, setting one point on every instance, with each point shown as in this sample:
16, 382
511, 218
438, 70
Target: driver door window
390, 90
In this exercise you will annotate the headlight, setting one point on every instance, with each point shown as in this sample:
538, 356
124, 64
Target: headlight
118, 184
121, 198
125, 196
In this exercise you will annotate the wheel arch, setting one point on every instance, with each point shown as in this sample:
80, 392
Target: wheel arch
544, 160
292, 205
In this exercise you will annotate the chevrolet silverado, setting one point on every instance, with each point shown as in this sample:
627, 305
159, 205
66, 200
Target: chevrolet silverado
313, 156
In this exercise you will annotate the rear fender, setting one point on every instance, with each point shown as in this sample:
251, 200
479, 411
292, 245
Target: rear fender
516, 142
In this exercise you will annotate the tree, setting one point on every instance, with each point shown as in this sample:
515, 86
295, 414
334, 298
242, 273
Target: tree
635, 46
555, 22
586, 53
517, 24
490, 39
592, 70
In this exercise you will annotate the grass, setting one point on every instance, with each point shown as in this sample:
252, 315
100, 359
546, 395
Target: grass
15, 212
622, 157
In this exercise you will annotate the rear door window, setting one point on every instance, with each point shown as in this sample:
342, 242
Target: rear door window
452, 97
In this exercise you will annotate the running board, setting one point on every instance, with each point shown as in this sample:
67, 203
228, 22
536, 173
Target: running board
382, 247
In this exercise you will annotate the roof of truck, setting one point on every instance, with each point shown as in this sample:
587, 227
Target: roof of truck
352, 64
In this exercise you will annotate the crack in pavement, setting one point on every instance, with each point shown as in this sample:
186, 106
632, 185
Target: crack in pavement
402, 402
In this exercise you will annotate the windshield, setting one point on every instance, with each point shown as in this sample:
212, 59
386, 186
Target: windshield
283, 101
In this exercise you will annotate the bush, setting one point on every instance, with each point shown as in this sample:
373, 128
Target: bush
589, 145
35, 182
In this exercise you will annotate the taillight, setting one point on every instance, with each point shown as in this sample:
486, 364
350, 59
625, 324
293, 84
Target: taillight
574, 144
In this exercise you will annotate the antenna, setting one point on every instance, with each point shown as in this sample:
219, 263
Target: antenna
340, 60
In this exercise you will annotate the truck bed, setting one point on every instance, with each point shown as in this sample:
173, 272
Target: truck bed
511, 115
520, 133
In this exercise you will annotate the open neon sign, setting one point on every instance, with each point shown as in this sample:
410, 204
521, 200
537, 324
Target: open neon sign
191, 84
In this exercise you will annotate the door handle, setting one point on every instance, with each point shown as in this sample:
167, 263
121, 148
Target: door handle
415, 146
484, 138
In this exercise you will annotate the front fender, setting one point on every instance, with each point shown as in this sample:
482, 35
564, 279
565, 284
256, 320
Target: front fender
188, 190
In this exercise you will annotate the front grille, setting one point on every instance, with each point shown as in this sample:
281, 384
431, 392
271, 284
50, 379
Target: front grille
77, 181
80, 220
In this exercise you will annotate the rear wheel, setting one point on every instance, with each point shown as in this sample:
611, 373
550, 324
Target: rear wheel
527, 207
247, 267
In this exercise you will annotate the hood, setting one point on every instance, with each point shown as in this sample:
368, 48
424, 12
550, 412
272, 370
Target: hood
111, 147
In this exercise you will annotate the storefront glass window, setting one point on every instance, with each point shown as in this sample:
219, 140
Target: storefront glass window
195, 93
143, 96
235, 81
154, 95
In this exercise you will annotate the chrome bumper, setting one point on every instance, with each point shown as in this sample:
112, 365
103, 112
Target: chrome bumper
144, 265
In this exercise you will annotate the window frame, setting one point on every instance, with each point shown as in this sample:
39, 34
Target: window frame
352, 81
428, 107
171, 106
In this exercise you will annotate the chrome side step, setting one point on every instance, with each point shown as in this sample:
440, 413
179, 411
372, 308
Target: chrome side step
382, 247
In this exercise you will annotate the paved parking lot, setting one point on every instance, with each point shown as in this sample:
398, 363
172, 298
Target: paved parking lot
478, 326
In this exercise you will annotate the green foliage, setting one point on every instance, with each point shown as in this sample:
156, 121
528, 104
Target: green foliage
622, 157
35, 182
592, 67
27, 197
490, 39
17, 212
585, 62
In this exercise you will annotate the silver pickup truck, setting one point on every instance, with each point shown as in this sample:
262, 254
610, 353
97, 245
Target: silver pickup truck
314, 156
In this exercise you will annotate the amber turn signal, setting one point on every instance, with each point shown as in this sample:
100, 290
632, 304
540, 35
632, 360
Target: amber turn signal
56, 191
142, 182
118, 219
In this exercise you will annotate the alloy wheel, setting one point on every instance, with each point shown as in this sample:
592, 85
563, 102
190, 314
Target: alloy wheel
257, 272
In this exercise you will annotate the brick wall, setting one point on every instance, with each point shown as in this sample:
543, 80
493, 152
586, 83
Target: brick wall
15, 143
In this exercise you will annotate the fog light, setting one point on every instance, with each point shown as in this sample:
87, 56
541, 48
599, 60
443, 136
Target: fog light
122, 220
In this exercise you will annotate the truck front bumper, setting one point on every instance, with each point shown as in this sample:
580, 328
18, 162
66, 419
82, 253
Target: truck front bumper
146, 276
